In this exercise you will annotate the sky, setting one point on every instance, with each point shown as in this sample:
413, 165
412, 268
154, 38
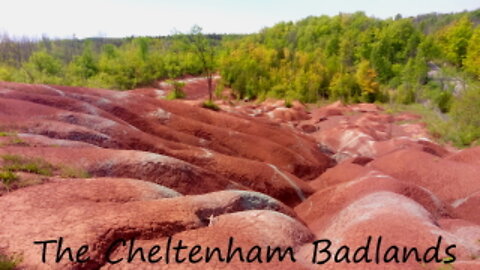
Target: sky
120, 18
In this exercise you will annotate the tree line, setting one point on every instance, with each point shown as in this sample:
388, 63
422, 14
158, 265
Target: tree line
351, 57
348, 57
105, 63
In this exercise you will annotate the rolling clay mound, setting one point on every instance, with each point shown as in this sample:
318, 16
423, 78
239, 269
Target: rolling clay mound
97, 211
364, 130
222, 144
470, 156
113, 170
319, 208
258, 228
184, 177
401, 222
449, 180
179, 124
467, 208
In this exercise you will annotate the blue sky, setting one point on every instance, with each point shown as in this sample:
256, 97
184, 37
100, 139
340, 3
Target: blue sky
118, 18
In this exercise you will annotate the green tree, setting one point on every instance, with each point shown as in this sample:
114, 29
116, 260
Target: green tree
429, 48
84, 66
344, 86
465, 115
381, 62
367, 80
6, 73
43, 68
454, 40
205, 50
472, 59
415, 71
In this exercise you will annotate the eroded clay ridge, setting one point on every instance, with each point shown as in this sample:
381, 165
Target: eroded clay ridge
94, 166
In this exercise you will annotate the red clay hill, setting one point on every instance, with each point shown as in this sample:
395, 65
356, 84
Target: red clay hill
110, 172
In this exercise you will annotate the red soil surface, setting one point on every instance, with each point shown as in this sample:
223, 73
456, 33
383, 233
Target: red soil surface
262, 173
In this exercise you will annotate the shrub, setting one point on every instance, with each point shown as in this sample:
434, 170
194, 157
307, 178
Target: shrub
210, 105
175, 95
7, 178
177, 92
288, 103
444, 101
465, 116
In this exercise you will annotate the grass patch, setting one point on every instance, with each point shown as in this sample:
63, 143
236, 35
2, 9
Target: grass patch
8, 263
210, 105
448, 130
454, 129
14, 140
440, 129
70, 172
4, 133
405, 122
17, 141
8, 178
15, 163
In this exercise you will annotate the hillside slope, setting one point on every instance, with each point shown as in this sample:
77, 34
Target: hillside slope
94, 166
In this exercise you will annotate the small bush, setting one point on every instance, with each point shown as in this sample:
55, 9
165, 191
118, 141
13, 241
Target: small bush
210, 105
175, 95
444, 101
177, 92
288, 103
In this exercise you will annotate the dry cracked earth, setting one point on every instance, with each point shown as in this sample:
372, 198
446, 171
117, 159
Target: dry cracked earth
93, 166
